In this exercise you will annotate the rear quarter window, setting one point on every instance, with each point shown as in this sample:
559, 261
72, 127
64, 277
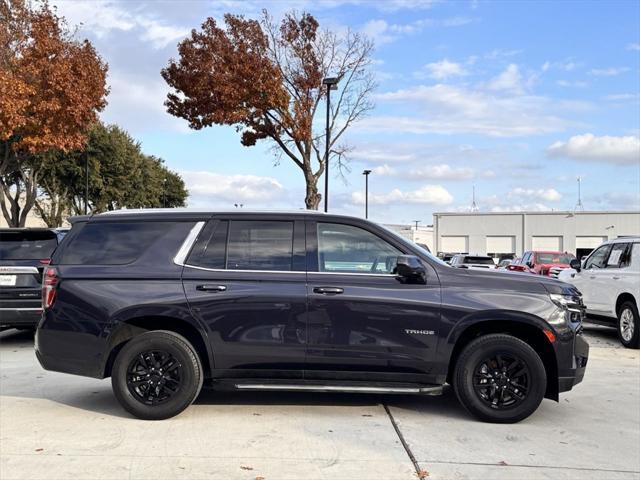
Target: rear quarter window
117, 243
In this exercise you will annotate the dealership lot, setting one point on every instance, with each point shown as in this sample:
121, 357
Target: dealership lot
55, 426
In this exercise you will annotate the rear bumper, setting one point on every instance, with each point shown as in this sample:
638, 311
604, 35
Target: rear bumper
20, 316
571, 376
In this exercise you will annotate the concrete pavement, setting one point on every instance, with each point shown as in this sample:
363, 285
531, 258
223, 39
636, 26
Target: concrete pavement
55, 426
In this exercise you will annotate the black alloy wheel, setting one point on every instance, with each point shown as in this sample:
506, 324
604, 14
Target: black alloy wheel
502, 380
499, 378
154, 377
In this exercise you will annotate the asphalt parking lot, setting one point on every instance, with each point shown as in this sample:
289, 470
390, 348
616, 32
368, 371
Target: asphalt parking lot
55, 426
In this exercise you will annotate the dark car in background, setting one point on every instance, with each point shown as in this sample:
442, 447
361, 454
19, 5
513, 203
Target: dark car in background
166, 301
24, 252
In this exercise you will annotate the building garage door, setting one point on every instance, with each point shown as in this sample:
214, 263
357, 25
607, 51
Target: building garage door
501, 245
589, 242
547, 243
459, 244
585, 245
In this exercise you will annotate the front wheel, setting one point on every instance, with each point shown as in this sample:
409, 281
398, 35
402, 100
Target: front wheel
499, 378
628, 331
157, 375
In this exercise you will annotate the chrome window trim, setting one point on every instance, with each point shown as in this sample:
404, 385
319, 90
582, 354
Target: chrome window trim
186, 246
226, 270
17, 270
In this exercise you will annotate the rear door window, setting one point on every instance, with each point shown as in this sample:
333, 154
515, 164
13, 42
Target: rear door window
619, 256
27, 244
112, 243
260, 245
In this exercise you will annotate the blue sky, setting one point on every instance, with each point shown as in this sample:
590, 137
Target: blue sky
517, 98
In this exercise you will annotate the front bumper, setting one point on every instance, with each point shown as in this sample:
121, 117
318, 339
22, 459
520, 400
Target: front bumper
569, 376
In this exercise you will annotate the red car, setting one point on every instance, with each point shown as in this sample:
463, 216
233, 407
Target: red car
542, 263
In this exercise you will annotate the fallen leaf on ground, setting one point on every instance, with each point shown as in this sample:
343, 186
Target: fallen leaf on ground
246, 468
39, 449
422, 474
503, 463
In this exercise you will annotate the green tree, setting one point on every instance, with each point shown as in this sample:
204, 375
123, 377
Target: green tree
120, 176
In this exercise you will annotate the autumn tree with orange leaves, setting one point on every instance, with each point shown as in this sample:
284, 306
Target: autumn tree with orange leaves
266, 78
51, 88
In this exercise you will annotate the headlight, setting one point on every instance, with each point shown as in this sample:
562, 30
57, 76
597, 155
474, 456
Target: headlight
569, 303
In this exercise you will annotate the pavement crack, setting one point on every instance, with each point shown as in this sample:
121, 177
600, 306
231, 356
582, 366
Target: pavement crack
416, 466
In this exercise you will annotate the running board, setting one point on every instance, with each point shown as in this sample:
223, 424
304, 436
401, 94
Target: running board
431, 390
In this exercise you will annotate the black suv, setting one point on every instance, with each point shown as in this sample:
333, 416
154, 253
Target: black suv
164, 301
24, 252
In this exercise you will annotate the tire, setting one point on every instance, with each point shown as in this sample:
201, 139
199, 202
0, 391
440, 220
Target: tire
157, 375
628, 326
523, 384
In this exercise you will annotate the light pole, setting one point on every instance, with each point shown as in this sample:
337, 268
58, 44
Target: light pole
332, 84
164, 192
86, 182
417, 222
366, 193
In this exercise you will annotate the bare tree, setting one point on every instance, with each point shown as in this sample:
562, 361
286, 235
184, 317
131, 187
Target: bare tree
265, 78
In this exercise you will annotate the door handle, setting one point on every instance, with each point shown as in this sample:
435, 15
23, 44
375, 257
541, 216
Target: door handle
211, 288
328, 290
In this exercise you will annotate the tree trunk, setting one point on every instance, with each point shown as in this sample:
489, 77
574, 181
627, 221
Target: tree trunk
312, 198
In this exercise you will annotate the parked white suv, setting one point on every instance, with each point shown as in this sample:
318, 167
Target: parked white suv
609, 279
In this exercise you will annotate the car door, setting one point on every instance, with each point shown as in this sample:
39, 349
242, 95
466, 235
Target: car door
616, 277
245, 282
590, 279
363, 322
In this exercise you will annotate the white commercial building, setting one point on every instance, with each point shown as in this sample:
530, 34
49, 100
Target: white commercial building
419, 234
507, 234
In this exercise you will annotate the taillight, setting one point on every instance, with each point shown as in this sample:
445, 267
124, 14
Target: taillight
45, 261
49, 283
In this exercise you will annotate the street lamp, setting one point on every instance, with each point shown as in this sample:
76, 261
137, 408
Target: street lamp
417, 222
164, 192
332, 84
366, 193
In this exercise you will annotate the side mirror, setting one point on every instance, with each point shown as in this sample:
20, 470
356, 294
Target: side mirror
410, 270
575, 264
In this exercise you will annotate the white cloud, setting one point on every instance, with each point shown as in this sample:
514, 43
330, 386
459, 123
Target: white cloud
609, 72
509, 80
544, 194
444, 69
102, 17
208, 188
570, 84
588, 147
622, 97
427, 195
384, 170
448, 109
383, 32
136, 103
634, 47
443, 172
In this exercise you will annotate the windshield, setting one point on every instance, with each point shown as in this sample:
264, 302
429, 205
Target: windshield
413, 245
554, 258
479, 260
27, 245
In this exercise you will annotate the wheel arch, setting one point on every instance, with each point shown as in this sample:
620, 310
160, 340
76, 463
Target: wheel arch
126, 330
624, 297
529, 332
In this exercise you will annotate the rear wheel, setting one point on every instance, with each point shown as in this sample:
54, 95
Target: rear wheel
628, 328
156, 375
499, 378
